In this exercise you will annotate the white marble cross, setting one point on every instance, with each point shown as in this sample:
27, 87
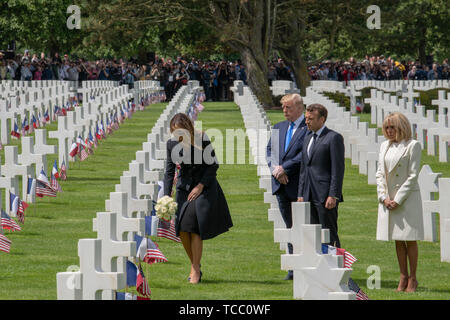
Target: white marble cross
150, 175
428, 183
94, 279
149, 190
300, 216
40, 144
64, 137
114, 251
442, 206
13, 169
10, 184
442, 103
30, 157
317, 276
7, 117
118, 203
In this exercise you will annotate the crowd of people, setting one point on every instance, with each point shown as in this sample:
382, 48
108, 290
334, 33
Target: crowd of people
378, 68
216, 77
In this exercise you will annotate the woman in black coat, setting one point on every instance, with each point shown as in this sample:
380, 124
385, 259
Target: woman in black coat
202, 208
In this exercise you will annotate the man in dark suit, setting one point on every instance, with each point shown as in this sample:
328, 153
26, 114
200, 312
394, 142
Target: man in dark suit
322, 171
283, 155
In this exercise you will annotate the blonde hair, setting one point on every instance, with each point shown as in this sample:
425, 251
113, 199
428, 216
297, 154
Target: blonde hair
295, 98
401, 124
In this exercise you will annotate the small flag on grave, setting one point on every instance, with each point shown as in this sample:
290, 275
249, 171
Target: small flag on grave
15, 132
5, 244
43, 187
166, 229
17, 207
31, 186
142, 284
55, 172
63, 173
360, 295
73, 150
54, 183
8, 223
349, 259
148, 251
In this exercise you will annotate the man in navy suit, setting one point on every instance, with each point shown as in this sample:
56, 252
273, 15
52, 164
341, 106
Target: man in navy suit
322, 171
284, 154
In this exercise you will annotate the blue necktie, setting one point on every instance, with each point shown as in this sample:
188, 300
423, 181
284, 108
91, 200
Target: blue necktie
289, 136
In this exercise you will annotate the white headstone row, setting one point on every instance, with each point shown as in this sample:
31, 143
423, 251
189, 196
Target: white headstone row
430, 129
16, 107
103, 260
316, 275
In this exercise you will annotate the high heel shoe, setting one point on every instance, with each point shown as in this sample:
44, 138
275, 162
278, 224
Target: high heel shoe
402, 285
412, 286
189, 278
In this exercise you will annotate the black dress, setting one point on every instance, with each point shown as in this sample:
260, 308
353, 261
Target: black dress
210, 209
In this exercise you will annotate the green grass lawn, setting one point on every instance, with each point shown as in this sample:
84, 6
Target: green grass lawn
243, 263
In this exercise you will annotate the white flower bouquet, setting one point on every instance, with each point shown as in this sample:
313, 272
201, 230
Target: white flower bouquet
166, 208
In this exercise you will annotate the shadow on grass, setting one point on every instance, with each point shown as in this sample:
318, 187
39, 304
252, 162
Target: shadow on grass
261, 282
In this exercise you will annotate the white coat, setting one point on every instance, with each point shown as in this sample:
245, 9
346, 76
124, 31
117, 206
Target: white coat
398, 180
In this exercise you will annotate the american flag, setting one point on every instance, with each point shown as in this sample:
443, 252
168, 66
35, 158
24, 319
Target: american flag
166, 230
43, 187
8, 223
349, 259
5, 243
83, 154
360, 295
142, 284
63, 173
21, 211
153, 254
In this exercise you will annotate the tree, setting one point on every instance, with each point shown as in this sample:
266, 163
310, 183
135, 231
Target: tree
244, 26
39, 25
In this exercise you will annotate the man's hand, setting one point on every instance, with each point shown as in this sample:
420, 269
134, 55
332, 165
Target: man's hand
195, 192
300, 199
283, 179
330, 203
277, 172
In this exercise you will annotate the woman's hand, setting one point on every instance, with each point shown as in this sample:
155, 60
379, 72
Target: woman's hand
195, 192
390, 204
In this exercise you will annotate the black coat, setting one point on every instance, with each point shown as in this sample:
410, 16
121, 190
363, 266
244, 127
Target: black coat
211, 206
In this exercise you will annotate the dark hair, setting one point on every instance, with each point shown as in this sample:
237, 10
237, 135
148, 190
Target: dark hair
321, 110
182, 121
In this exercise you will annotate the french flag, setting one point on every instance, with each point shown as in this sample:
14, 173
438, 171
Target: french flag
46, 116
73, 150
35, 122
15, 133
55, 172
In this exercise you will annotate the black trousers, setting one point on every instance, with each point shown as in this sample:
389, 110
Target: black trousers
327, 218
284, 203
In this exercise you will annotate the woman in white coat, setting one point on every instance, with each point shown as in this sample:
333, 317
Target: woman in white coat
400, 204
